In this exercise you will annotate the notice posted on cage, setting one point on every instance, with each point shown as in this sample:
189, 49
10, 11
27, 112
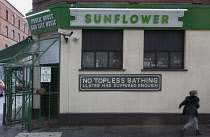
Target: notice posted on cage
45, 74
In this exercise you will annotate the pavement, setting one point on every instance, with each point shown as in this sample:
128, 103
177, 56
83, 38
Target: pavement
104, 131
100, 130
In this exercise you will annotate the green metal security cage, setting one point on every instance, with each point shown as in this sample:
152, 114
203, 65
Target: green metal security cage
24, 77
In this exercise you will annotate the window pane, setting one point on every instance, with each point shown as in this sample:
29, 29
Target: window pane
102, 59
13, 34
88, 59
115, 60
18, 36
18, 23
149, 59
162, 59
13, 20
7, 15
6, 31
176, 59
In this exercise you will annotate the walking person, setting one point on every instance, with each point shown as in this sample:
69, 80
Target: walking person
191, 105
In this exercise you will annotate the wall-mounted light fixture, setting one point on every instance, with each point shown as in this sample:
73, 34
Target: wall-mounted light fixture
75, 38
30, 38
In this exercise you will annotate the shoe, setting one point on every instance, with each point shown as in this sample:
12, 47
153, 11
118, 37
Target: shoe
1, 95
198, 132
182, 132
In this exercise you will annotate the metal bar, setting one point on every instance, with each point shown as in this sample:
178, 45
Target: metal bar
17, 113
46, 39
29, 119
4, 111
49, 100
46, 66
10, 98
6, 59
48, 10
28, 101
15, 99
5, 98
19, 53
26, 106
59, 81
23, 101
23, 111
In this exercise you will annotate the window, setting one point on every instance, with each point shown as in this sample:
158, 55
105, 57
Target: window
18, 23
18, 36
6, 46
6, 31
13, 19
102, 49
7, 16
13, 34
24, 28
163, 49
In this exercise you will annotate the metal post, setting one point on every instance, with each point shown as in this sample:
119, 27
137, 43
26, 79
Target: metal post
49, 99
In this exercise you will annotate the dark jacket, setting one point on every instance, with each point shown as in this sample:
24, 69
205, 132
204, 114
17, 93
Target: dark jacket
191, 105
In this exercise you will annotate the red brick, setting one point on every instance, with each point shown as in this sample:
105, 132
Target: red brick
51, 2
4, 40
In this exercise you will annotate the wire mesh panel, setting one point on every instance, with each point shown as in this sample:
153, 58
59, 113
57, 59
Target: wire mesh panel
47, 112
14, 95
29, 99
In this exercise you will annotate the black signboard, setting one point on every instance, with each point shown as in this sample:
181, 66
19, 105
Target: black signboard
120, 82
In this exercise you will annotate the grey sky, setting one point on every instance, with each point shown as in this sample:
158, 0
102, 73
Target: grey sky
22, 5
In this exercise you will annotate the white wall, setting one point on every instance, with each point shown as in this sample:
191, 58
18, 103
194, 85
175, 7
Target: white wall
175, 84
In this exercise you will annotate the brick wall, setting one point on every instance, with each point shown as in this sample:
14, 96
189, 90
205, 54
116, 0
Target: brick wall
38, 4
15, 25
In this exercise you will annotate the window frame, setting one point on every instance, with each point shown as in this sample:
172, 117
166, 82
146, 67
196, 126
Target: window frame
107, 50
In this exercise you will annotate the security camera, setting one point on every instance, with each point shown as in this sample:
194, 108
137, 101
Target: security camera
64, 32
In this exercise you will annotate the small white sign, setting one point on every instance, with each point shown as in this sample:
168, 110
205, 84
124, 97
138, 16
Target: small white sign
45, 74
43, 22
